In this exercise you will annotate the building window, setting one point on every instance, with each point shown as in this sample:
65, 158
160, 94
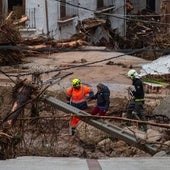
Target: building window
68, 11
72, 10
109, 3
17, 6
31, 23
12, 3
150, 5
63, 8
0, 9
104, 6
100, 4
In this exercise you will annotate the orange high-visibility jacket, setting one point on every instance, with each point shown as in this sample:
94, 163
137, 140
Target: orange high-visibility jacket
78, 95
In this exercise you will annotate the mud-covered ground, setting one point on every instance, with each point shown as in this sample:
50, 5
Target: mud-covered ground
51, 137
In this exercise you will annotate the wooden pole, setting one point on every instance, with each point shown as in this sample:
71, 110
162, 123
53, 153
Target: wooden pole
4, 8
46, 13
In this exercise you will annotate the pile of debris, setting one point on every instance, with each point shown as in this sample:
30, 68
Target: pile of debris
47, 130
158, 69
9, 36
98, 32
141, 31
162, 41
13, 47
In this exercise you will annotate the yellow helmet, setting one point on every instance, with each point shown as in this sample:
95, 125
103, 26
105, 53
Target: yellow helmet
76, 82
132, 73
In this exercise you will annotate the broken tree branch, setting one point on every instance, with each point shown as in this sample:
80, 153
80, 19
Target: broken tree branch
7, 76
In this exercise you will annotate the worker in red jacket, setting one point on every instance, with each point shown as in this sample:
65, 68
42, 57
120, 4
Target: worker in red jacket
76, 96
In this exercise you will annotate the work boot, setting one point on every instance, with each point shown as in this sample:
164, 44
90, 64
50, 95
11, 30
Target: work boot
72, 131
7, 124
143, 128
128, 123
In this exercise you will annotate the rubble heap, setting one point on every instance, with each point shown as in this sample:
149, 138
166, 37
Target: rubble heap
10, 36
143, 30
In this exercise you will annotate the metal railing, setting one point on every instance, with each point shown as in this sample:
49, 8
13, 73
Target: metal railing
31, 23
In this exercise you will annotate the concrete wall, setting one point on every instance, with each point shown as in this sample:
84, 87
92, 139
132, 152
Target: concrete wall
119, 22
4, 8
165, 9
53, 15
46, 20
43, 22
39, 6
138, 5
142, 4
63, 30
67, 28
116, 23
0, 9
83, 14
157, 6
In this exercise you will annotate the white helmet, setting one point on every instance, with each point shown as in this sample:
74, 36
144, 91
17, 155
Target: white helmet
132, 74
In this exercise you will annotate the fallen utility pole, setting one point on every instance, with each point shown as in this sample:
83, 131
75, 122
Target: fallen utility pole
113, 130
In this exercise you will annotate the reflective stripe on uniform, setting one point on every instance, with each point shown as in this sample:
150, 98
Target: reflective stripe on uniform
139, 100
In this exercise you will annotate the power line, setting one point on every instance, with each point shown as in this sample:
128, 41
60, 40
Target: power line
150, 15
86, 64
130, 15
115, 15
137, 20
52, 49
73, 5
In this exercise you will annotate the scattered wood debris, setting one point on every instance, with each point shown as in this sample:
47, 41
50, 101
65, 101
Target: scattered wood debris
22, 93
9, 34
91, 31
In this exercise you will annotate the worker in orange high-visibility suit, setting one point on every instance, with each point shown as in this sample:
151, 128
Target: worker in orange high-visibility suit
76, 96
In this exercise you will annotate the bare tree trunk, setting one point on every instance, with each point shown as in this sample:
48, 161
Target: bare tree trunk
22, 95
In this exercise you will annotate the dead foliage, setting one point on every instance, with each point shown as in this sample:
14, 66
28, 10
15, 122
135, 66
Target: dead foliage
22, 94
146, 30
142, 28
17, 47
10, 57
10, 36
160, 78
162, 41
9, 33
142, 31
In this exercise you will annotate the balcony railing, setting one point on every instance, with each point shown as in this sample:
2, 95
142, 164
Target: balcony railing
31, 23
66, 19
104, 9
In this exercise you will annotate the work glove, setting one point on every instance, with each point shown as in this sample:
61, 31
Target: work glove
68, 102
88, 98
131, 88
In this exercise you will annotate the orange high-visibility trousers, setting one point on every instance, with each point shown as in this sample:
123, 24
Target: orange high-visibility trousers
74, 121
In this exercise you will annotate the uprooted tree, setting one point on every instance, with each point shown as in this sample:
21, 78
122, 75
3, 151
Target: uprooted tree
22, 95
